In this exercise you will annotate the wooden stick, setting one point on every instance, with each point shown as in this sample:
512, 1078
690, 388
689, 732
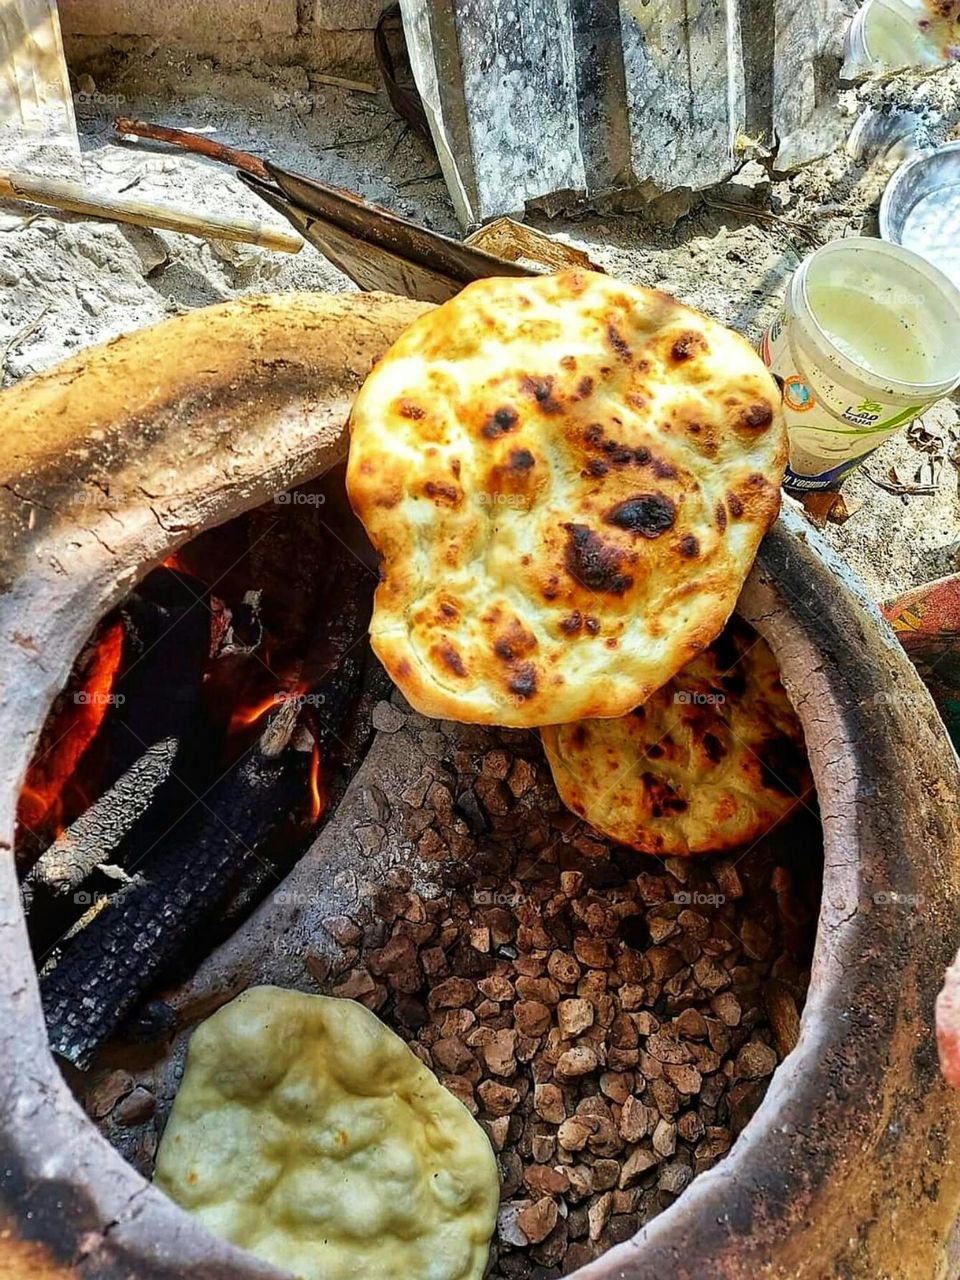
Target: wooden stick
194, 142
78, 199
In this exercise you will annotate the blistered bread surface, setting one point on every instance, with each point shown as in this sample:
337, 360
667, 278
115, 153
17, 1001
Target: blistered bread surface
307, 1132
712, 761
567, 479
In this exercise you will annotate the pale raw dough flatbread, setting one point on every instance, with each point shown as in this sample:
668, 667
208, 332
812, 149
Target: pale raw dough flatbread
712, 761
307, 1132
567, 479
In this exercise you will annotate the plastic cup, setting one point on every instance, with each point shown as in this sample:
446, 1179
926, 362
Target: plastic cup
886, 35
869, 338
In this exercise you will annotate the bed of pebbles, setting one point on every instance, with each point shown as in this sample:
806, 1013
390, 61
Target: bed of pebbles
612, 1020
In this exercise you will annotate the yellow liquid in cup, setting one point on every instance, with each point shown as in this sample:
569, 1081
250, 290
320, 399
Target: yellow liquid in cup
880, 333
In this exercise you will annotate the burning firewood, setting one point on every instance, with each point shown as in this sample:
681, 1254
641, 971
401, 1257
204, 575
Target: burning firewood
139, 934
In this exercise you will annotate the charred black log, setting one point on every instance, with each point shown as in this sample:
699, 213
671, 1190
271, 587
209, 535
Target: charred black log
137, 937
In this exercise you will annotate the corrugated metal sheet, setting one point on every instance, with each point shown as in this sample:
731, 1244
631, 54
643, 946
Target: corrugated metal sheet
528, 98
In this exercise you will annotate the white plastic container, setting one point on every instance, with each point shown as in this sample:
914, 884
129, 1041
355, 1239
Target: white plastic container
886, 35
868, 339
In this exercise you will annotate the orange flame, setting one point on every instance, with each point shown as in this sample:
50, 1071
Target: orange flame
318, 801
243, 717
79, 722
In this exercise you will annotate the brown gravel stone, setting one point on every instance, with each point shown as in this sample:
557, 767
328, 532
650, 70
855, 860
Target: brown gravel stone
727, 1008
499, 1053
546, 1181
578, 1061
498, 1099
563, 968
692, 1025
537, 1220
497, 1131
574, 1017
755, 1060
665, 1138
784, 1019
461, 1088
685, 1079
674, 1177
616, 1085
599, 1213
592, 952
639, 1162
453, 993
452, 1055
136, 1107
543, 990
548, 1104
690, 1127
574, 1133
606, 1174
636, 1120
532, 1017
522, 777
107, 1092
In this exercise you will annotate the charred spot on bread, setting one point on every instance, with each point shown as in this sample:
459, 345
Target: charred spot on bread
757, 416
664, 799
687, 345
523, 682
720, 512
647, 515
514, 642
594, 563
572, 623
450, 658
500, 422
447, 495
689, 546
618, 342
734, 505
713, 747
542, 391
410, 410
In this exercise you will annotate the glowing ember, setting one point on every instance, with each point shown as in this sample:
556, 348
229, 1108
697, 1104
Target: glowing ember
76, 727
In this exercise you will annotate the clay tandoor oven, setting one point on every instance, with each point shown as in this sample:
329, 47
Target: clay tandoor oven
849, 1166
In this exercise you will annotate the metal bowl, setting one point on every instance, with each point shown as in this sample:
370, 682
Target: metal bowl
921, 208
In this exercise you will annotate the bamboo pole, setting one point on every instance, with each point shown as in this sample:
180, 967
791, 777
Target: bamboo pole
79, 199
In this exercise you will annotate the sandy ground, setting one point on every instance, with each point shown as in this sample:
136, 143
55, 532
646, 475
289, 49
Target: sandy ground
66, 282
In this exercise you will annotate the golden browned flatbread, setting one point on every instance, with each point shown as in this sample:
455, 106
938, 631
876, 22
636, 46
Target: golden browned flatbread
712, 761
567, 479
